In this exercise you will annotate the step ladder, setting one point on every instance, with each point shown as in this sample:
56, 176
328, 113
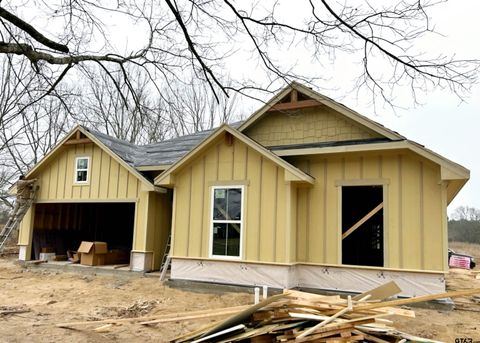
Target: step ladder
13, 221
166, 259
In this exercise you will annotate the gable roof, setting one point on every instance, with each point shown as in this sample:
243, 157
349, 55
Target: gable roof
297, 174
101, 143
322, 99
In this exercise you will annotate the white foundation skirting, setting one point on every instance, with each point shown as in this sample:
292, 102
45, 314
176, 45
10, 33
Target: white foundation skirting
305, 276
141, 261
22, 252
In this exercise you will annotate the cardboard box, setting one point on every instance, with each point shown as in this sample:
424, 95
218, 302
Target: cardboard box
92, 253
117, 256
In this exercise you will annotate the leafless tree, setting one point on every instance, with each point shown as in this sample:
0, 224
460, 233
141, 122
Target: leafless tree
466, 213
72, 58
104, 109
28, 128
191, 109
201, 36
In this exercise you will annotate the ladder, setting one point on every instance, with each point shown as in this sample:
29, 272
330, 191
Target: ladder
166, 259
13, 221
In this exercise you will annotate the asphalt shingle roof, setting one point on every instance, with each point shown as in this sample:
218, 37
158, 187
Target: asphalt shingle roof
155, 154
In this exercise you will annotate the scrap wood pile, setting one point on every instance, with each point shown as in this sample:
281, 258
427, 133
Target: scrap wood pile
305, 317
295, 316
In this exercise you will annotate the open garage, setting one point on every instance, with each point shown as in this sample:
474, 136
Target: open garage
61, 227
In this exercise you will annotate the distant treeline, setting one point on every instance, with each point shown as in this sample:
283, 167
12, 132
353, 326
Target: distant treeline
464, 231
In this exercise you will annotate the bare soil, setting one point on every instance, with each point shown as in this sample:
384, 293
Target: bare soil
51, 297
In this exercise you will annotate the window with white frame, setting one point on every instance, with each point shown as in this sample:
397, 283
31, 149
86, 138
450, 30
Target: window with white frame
81, 169
227, 212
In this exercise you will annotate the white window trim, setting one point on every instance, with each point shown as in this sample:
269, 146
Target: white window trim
242, 230
76, 170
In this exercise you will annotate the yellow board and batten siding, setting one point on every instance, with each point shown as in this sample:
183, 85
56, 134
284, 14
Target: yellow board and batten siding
413, 209
108, 181
264, 202
286, 223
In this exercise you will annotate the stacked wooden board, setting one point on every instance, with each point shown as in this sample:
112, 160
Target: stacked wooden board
296, 316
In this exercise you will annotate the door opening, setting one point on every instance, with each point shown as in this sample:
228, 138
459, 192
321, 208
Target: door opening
362, 225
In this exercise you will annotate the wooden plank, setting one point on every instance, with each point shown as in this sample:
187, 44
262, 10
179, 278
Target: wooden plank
169, 317
191, 334
325, 334
295, 105
418, 299
330, 319
314, 297
78, 141
244, 315
363, 220
384, 291
370, 337
220, 333
355, 338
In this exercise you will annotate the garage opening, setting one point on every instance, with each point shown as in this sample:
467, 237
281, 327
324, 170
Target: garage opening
61, 227
362, 225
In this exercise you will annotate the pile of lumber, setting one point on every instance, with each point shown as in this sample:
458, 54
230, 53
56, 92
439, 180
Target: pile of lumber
296, 316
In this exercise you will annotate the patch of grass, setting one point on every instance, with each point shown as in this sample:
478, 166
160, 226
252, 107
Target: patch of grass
466, 248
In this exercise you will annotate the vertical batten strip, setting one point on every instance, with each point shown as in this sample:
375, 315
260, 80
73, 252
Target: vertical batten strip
380, 166
232, 176
91, 166
362, 167
189, 208
444, 235
127, 182
400, 211
246, 163
65, 175
307, 222
218, 162
100, 173
109, 175
202, 211
275, 212
118, 179
422, 218
49, 183
260, 206
325, 161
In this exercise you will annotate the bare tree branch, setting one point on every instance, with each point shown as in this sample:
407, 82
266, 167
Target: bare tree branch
22, 25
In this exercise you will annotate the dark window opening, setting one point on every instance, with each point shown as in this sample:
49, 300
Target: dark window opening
362, 225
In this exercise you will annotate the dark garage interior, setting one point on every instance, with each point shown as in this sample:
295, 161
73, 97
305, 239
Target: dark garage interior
63, 226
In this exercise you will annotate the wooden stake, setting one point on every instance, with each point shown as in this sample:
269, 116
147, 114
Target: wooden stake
363, 220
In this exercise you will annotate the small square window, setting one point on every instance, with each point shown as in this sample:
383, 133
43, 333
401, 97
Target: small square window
81, 169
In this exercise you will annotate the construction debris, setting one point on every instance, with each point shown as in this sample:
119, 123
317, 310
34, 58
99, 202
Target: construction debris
296, 316
6, 310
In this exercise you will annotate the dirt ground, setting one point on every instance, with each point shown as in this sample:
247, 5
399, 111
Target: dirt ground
50, 297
